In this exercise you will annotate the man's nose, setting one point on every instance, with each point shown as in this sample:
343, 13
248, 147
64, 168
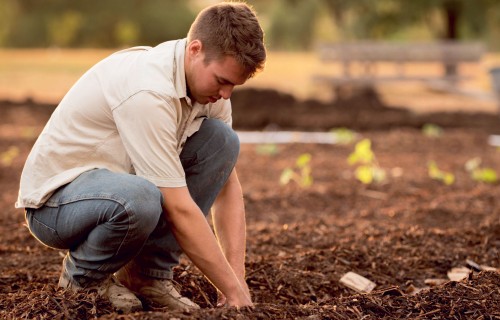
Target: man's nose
226, 91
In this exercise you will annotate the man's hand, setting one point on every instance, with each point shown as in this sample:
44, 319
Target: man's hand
222, 300
195, 237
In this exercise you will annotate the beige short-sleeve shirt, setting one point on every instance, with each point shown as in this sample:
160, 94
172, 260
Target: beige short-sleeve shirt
129, 113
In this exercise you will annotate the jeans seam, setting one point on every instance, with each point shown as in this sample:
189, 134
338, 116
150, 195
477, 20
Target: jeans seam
100, 196
40, 223
130, 216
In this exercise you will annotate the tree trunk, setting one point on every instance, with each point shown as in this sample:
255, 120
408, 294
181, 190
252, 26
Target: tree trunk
452, 12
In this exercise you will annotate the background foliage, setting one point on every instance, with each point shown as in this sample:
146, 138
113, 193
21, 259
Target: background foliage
289, 24
92, 23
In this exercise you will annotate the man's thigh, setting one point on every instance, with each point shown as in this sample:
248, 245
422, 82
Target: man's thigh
95, 198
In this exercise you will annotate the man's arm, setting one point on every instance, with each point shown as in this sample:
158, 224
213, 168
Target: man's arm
230, 225
195, 237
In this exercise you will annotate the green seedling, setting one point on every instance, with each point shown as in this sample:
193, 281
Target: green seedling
268, 149
477, 173
300, 174
437, 174
29, 132
432, 131
367, 170
7, 157
343, 135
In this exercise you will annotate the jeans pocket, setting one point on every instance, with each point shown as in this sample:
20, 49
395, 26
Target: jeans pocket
42, 232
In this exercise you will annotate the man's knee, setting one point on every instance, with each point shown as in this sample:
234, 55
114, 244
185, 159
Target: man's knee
224, 135
143, 199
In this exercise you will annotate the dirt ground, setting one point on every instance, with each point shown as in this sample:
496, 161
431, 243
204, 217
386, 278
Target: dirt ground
399, 233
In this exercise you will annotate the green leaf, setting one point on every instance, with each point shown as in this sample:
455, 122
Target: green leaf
7, 157
472, 164
487, 175
303, 177
303, 160
448, 178
267, 149
286, 176
343, 135
364, 174
306, 181
433, 170
439, 175
362, 153
432, 130
352, 159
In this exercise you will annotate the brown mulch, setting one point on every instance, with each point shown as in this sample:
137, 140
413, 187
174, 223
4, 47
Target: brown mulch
301, 241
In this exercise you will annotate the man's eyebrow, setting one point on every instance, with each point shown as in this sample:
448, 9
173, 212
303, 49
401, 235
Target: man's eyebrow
224, 80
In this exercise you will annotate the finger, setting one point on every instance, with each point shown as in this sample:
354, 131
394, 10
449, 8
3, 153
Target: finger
221, 301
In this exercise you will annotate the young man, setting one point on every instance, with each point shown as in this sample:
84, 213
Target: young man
134, 156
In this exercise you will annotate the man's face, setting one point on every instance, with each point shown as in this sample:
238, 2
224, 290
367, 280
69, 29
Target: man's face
208, 82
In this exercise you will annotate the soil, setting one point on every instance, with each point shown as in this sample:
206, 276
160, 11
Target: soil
301, 240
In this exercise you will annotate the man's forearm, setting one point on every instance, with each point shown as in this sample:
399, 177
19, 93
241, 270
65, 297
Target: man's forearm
195, 237
230, 224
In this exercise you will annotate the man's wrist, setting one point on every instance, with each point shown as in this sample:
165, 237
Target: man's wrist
239, 270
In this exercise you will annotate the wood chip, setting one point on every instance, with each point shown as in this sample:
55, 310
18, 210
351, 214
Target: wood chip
412, 290
357, 282
435, 282
457, 274
488, 268
472, 265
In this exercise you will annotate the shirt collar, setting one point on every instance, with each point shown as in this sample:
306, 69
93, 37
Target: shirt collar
180, 74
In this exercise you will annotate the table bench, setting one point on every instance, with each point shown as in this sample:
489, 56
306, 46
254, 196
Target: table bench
369, 54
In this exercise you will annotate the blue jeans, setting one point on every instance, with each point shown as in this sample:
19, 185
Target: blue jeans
107, 219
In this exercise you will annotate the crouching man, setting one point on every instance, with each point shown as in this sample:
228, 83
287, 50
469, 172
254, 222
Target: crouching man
135, 156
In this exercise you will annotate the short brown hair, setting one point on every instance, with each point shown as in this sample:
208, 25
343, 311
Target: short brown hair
231, 28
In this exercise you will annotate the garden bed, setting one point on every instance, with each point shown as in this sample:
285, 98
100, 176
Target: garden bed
398, 233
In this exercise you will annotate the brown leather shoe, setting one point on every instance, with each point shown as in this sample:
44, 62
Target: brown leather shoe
155, 292
111, 289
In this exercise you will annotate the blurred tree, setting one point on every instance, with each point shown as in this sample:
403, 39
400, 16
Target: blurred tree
289, 24
110, 23
27, 27
126, 33
8, 10
160, 20
62, 30
446, 19
292, 24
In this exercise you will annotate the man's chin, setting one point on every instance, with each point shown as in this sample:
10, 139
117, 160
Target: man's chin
212, 100
205, 100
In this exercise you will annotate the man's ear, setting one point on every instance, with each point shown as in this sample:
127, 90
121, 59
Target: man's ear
194, 48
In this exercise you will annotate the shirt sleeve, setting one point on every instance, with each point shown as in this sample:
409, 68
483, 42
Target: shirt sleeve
147, 125
222, 111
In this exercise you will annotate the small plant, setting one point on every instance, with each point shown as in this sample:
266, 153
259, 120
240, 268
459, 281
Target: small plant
432, 131
268, 149
343, 135
300, 174
29, 132
437, 174
368, 170
7, 157
477, 173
